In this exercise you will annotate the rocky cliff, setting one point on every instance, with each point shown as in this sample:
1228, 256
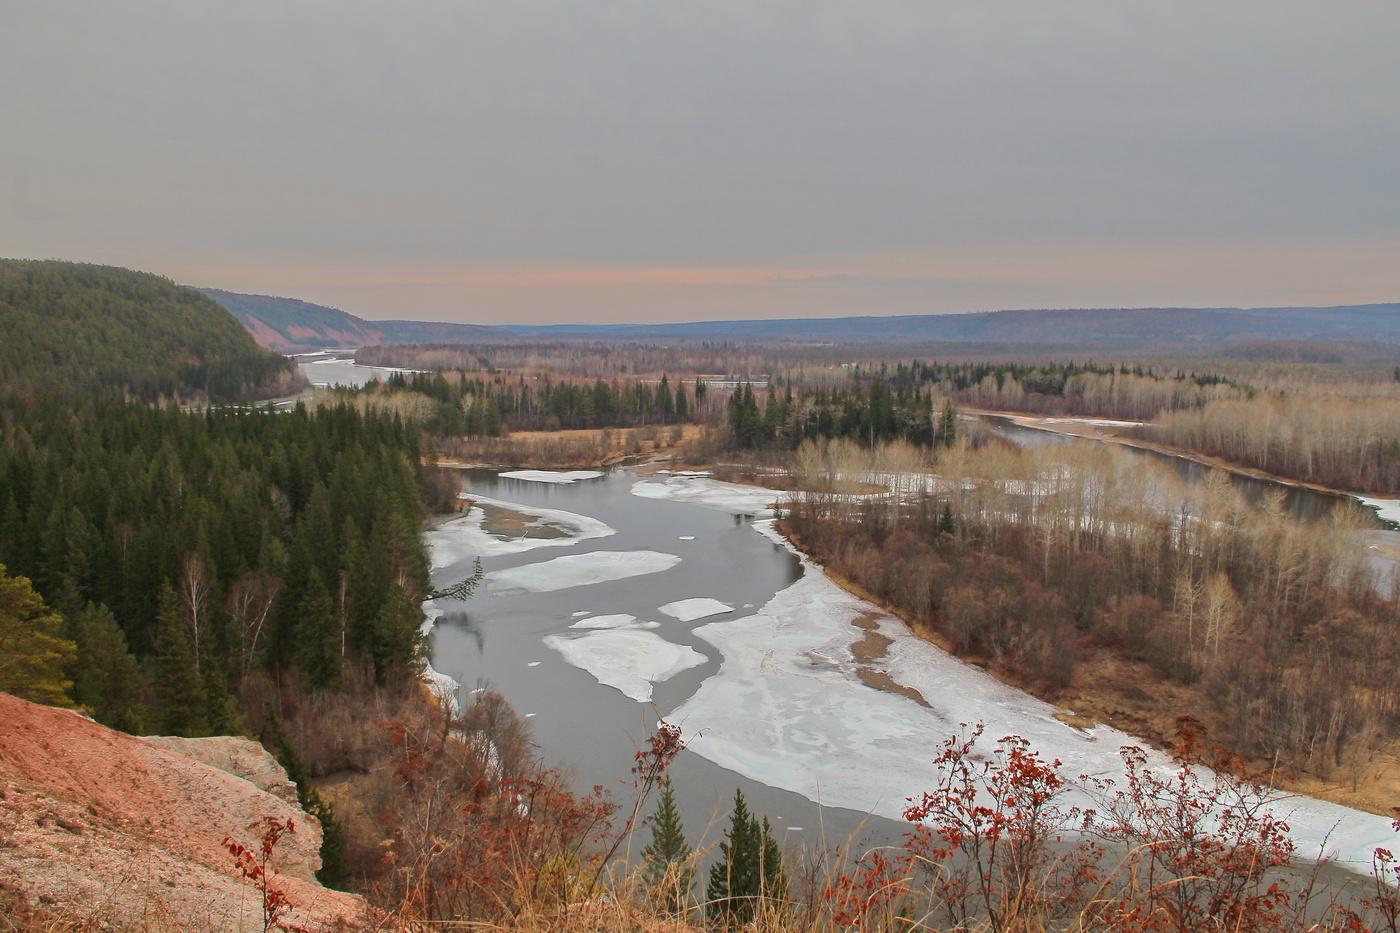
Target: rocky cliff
114, 830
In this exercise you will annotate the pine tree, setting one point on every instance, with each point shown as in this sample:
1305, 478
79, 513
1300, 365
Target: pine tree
750, 869
33, 653
666, 860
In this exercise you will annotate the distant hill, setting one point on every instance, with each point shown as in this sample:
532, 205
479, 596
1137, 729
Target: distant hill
289, 325
1190, 325
85, 329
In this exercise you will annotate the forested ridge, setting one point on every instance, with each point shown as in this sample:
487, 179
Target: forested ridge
89, 330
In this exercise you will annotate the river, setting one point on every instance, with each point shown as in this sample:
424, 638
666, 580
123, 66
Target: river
770, 695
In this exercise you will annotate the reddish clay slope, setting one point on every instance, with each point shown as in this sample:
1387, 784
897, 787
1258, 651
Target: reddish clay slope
103, 825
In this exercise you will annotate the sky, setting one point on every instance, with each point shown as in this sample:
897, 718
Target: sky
527, 161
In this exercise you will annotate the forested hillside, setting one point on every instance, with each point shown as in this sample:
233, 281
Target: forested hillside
186, 551
93, 330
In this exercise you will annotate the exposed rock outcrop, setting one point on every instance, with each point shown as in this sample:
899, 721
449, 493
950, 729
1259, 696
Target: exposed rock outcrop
103, 825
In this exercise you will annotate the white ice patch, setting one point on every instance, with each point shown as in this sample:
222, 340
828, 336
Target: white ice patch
710, 493
687, 537
1387, 509
552, 476
626, 659
617, 620
579, 570
467, 537
688, 610
787, 709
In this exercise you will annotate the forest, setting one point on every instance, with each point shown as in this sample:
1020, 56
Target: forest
87, 331
188, 552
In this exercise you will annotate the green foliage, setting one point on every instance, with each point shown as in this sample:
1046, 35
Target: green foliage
33, 653
666, 860
749, 871
106, 502
86, 330
106, 677
179, 688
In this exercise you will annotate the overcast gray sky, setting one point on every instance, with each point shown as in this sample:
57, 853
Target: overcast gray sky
594, 161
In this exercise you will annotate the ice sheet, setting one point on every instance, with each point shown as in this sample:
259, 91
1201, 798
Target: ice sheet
711, 493
579, 570
617, 620
787, 708
626, 659
466, 537
552, 476
688, 610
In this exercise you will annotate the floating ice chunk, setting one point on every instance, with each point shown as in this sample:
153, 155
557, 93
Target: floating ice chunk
552, 476
533, 664
466, 537
688, 610
615, 621
581, 612
626, 659
579, 570
711, 493
687, 537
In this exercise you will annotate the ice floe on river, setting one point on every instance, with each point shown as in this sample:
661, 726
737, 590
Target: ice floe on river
626, 658
466, 537
711, 493
552, 476
688, 610
616, 620
578, 570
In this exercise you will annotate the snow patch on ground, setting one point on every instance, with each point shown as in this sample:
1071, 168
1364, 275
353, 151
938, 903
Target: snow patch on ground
617, 620
467, 537
627, 659
710, 493
552, 476
579, 570
786, 708
688, 610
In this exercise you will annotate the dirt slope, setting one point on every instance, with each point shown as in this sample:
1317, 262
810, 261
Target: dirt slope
102, 825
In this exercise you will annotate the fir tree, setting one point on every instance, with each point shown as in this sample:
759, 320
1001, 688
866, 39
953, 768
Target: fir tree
749, 870
178, 686
666, 860
106, 677
318, 634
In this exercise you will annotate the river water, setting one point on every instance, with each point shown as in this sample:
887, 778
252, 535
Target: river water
497, 636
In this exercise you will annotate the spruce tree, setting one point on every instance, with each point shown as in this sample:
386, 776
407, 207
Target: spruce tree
666, 867
749, 871
178, 686
318, 634
106, 676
